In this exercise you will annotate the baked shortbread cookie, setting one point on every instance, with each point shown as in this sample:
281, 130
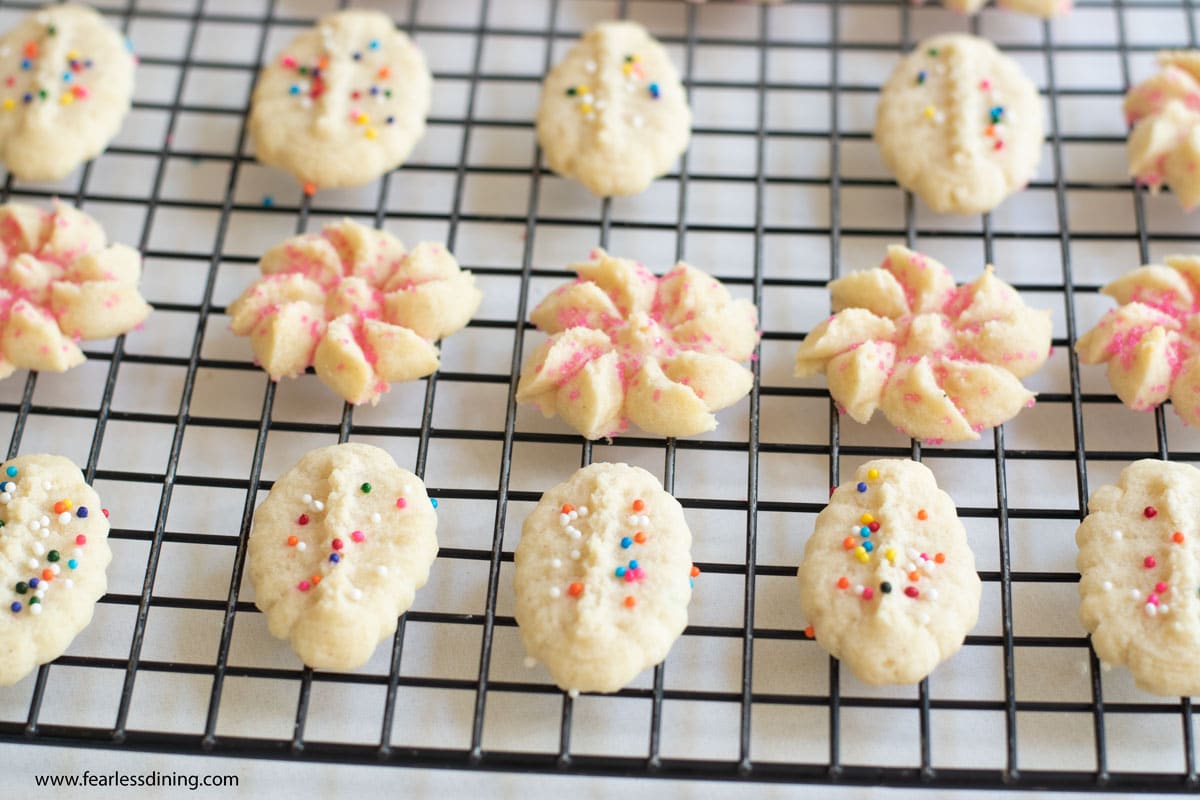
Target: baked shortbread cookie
53, 553
337, 552
942, 362
603, 577
1137, 558
352, 303
1164, 110
1151, 341
888, 581
627, 346
959, 124
61, 282
1037, 8
613, 114
344, 103
68, 86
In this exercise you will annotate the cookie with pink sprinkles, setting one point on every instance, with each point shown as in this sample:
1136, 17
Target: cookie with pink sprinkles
888, 582
664, 353
61, 283
338, 551
356, 306
1140, 570
1150, 342
1164, 144
942, 362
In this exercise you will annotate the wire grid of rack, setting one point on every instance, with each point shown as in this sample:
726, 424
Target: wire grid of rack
996, 715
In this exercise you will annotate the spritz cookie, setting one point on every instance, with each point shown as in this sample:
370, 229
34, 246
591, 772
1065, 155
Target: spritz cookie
53, 553
338, 550
888, 581
942, 362
1164, 110
627, 346
67, 84
1038, 8
60, 282
959, 124
1138, 561
603, 577
356, 306
1150, 341
344, 103
613, 114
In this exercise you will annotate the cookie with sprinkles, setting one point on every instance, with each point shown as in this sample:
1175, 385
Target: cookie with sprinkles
603, 577
1164, 144
1036, 8
942, 362
959, 124
66, 84
338, 550
343, 103
613, 113
53, 554
1150, 342
61, 282
1140, 566
355, 305
888, 580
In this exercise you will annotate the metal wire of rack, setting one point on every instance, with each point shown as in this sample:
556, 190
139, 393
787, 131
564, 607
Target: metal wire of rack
133, 665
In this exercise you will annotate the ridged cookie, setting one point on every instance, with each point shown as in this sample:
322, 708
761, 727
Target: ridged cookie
888, 580
338, 550
1164, 110
629, 346
344, 103
959, 124
1151, 340
53, 553
613, 114
1141, 574
68, 86
942, 362
603, 577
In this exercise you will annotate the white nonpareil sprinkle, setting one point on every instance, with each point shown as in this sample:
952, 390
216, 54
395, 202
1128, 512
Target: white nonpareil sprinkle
932, 594
5, 498
1151, 609
1108, 586
38, 548
356, 593
564, 519
1163, 608
555, 591
318, 505
590, 66
307, 499
301, 546
583, 511
573, 693
1135, 594
575, 555
924, 619
33, 563
64, 518
556, 563
376, 517
381, 570
1118, 535
35, 609
70, 584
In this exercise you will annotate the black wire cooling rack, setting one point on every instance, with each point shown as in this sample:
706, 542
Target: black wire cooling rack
837, 727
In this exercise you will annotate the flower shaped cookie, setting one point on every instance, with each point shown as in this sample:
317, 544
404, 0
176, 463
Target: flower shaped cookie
352, 303
1037, 8
60, 282
626, 346
1151, 340
1164, 146
942, 362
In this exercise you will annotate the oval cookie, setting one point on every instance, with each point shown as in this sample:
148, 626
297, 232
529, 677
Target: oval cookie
959, 124
1141, 574
344, 103
603, 577
68, 86
888, 580
53, 553
613, 114
338, 550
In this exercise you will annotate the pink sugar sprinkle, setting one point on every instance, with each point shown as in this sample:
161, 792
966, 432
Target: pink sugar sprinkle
868, 593
401, 502
1160, 587
357, 536
303, 586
